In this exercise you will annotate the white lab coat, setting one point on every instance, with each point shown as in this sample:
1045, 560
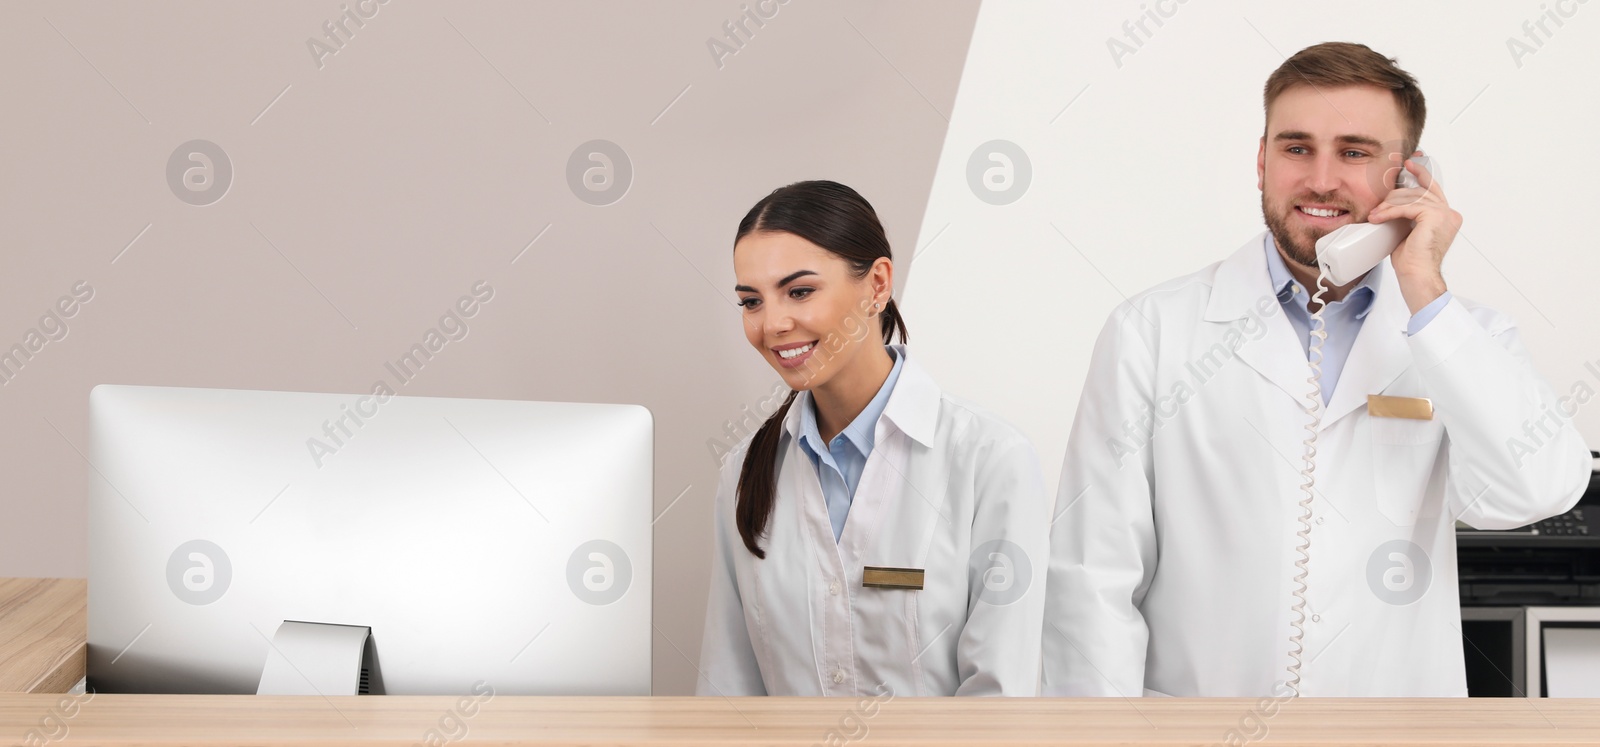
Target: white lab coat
943, 479
1172, 571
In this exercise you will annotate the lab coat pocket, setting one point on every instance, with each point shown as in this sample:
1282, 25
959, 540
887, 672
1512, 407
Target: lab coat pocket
1406, 431
1404, 452
888, 641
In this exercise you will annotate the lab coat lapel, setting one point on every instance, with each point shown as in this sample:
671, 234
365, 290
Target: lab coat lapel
1380, 353
811, 507
821, 555
909, 416
1243, 287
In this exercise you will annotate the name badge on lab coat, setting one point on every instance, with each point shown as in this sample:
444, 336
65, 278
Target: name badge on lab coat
891, 578
1412, 408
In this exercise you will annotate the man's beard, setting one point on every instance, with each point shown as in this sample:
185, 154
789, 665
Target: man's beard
1301, 248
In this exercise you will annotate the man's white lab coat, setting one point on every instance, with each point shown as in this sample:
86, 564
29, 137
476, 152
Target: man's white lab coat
1173, 551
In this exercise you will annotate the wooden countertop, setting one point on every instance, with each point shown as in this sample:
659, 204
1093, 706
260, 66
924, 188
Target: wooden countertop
506, 720
43, 625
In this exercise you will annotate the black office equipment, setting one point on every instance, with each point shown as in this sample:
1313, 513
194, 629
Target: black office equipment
1550, 563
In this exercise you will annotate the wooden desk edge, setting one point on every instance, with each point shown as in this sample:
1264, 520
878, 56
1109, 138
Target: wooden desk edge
55, 611
66, 673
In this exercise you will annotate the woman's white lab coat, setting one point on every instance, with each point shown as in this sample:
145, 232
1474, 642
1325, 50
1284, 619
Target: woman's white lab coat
1175, 544
949, 489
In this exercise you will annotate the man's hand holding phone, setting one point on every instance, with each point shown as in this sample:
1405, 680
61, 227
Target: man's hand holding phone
1418, 259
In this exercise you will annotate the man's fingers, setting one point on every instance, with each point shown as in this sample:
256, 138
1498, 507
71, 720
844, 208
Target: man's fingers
1425, 178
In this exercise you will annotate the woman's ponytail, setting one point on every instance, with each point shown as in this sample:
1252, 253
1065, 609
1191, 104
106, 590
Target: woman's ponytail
892, 322
758, 479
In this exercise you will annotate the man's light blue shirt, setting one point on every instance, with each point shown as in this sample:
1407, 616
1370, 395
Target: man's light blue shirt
840, 464
1342, 319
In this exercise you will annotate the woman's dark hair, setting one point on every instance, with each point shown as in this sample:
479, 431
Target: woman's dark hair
840, 220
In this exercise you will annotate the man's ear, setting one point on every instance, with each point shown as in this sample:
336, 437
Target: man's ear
1261, 165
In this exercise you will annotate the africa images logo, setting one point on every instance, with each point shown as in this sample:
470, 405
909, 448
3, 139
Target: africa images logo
199, 572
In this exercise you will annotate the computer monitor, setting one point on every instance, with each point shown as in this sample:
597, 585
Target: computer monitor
484, 543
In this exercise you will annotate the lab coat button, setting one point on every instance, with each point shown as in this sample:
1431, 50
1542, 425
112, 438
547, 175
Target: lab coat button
1316, 618
833, 588
1319, 519
838, 676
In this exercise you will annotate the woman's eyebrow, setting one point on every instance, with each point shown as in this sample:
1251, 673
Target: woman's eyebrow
791, 277
787, 279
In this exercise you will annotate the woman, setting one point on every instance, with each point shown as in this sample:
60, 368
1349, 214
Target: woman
875, 535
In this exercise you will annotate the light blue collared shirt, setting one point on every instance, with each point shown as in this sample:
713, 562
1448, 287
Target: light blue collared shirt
839, 466
1342, 319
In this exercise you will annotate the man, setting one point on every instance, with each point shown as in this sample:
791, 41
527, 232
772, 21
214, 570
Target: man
1179, 517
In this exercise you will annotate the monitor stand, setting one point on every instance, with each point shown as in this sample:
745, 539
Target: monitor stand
307, 658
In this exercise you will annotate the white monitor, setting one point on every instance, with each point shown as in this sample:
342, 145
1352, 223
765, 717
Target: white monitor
484, 543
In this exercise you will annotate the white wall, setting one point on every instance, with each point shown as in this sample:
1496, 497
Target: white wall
1150, 174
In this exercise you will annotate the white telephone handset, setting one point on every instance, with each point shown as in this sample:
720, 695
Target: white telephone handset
1353, 249
1342, 256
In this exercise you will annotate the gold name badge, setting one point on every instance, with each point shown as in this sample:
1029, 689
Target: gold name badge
891, 578
1411, 408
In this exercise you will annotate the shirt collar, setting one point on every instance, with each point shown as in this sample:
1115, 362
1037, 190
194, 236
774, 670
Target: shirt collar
913, 407
861, 431
1283, 284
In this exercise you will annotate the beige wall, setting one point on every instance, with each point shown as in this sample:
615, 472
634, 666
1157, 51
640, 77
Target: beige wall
420, 159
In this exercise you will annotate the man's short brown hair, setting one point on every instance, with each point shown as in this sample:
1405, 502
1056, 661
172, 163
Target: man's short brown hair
1339, 64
